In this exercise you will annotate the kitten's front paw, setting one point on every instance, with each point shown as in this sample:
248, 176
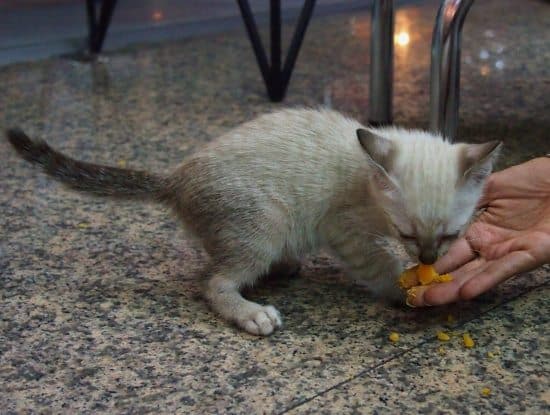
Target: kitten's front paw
394, 295
260, 320
387, 288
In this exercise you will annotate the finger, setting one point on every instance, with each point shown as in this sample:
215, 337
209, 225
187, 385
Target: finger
459, 253
466, 248
500, 261
446, 293
496, 272
439, 294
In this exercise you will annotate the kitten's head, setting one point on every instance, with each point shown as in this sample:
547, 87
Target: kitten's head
427, 186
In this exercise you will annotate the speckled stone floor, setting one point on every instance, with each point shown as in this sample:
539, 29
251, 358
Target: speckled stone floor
100, 309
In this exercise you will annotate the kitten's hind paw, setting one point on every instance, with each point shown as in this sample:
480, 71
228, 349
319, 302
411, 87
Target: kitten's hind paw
263, 320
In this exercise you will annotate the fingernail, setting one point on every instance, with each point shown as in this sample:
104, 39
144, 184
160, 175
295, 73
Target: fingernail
411, 296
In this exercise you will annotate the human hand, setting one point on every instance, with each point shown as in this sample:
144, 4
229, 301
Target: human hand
511, 236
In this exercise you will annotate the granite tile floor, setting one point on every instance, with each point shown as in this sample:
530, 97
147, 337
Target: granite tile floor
100, 310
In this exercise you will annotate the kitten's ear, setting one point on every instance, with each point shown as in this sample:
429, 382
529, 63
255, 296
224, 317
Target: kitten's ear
476, 160
380, 149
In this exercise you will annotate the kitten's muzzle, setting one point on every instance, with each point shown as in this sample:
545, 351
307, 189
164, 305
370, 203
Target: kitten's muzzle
428, 257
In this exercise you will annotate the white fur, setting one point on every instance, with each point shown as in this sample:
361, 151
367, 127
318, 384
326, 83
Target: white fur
426, 169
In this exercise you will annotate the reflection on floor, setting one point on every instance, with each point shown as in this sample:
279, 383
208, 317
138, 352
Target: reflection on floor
100, 309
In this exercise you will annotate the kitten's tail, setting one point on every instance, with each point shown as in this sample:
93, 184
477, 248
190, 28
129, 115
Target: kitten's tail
88, 177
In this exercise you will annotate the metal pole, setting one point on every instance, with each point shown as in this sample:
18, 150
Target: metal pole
275, 87
255, 39
90, 13
381, 69
98, 29
275, 78
445, 67
296, 43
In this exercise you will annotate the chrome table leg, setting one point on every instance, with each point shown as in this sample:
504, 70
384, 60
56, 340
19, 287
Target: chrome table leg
381, 69
445, 67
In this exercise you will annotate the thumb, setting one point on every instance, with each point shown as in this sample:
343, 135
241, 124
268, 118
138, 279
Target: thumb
459, 253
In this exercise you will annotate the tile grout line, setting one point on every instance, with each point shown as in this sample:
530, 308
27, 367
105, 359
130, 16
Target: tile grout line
393, 357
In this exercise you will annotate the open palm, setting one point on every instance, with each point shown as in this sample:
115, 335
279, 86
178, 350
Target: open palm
510, 236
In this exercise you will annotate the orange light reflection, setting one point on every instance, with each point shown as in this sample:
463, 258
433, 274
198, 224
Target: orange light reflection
158, 16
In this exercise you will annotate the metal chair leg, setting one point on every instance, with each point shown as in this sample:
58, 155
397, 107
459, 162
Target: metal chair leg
98, 29
276, 92
255, 40
296, 42
445, 67
381, 69
275, 78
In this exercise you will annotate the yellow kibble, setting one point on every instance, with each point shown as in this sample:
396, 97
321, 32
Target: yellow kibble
490, 354
421, 275
485, 391
394, 337
408, 278
121, 163
443, 278
442, 336
83, 225
468, 341
426, 274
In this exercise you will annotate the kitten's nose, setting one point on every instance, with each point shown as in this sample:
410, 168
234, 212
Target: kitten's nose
428, 257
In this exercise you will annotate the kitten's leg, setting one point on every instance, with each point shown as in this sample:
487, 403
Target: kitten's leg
222, 290
380, 278
370, 264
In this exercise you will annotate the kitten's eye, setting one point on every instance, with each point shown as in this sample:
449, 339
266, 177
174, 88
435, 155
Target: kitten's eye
407, 237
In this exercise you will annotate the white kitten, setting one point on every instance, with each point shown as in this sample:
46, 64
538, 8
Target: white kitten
288, 183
